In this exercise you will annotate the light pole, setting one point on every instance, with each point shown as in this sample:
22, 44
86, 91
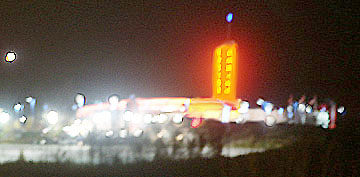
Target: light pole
229, 18
10, 57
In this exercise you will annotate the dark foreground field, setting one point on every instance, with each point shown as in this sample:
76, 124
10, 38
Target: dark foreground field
334, 155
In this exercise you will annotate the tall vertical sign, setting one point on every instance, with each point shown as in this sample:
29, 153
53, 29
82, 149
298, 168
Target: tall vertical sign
224, 79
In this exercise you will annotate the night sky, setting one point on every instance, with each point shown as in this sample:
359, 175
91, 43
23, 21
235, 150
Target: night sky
161, 48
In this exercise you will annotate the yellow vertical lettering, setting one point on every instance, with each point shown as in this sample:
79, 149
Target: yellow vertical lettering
228, 67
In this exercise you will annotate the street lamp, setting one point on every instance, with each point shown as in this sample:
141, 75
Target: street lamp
18, 107
4, 117
80, 100
114, 99
10, 57
23, 119
52, 117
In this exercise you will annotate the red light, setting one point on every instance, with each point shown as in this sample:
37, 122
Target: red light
196, 122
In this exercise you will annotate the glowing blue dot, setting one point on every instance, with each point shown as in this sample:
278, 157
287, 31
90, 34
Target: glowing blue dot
229, 17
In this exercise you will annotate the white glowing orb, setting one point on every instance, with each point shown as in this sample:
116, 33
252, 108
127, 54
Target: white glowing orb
341, 109
323, 119
17, 107
80, 100
102, 120
22, 119
137, 118
178, 118
162, 133
77, 122
301, 108
308, 109
10, 57
270, 121
268, 108
43, 141
155, 119
147, 118
123, 133
280, 111
45, 130
182, 109
128, 116
162, 118
244, 107
52, 117
259, 101
4, 117
179, 137
289, 108
29, 99
109, 134
138, 132
114, 99
240, 120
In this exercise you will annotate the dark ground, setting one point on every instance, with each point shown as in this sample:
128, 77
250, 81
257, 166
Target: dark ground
335, 154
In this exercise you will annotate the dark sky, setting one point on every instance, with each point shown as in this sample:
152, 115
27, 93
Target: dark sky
164, 48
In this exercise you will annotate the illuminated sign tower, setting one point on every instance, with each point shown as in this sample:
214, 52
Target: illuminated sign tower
225, 71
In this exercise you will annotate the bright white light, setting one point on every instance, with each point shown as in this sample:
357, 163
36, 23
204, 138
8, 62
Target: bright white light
270, 121
109, 134
162, 118
225, 116
72, 130
114, 99
280, 111
43, 141
323, 109
179, 137
123, 133
137, 118
244, 107
182, 109
289, 108
128, 116
77, 122
17, 107
45, 130
52, 117
301, 108
240, 120
147, 118
29, 99
259, 101
10, 57
155, 119
162, 133
308, 109
102, 120
341, 109
268, 107
178, 118
323, 119
22, 119
4, 117
80, 100
138, 132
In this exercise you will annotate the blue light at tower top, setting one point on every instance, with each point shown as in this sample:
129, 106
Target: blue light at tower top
229, 17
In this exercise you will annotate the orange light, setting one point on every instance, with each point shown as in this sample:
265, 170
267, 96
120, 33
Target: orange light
228, 60
228, 76
225, 71
228, 68
227, 83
